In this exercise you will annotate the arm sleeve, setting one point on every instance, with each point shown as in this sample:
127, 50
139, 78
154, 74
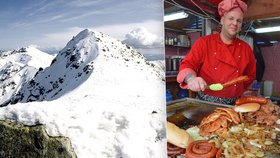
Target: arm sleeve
192, 62
182, 75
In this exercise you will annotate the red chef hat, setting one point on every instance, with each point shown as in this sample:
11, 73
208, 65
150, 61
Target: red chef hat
229, 5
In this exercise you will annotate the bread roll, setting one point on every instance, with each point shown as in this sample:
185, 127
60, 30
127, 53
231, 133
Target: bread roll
178, 136
247, 107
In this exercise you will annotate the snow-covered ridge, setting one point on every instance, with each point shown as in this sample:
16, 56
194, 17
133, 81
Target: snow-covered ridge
18, 67
74, 64
30, 56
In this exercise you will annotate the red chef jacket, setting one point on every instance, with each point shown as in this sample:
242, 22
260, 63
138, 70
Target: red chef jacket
217, 62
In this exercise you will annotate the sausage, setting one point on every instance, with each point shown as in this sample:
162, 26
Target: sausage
251, 99
201, 149
173, 150
237, 80
219, 153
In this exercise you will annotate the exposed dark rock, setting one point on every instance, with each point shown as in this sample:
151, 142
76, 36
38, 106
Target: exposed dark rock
17, 140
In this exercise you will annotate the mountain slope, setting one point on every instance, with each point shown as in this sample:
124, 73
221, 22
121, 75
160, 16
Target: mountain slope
102, 94
75, 63
18, 67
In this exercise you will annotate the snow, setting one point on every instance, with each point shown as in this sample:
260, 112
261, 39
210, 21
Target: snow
24, 56
43, 59
110, 101
18, 67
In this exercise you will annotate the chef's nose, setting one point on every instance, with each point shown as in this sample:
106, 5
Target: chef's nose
235, 22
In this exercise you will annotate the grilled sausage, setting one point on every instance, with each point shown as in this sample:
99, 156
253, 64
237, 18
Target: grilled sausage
237, 80
173, 150
219, 153
251, 99
201, 149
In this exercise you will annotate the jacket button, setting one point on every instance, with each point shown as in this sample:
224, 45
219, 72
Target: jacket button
215, 68
237, 71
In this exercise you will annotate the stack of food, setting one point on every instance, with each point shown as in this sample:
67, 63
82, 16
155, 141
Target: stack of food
258, 110
256, 135
248, 129
218, 122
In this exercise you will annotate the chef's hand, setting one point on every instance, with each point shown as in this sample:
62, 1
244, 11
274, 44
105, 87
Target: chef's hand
196, 84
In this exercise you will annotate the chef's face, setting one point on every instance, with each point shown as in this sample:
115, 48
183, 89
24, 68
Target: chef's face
231, 23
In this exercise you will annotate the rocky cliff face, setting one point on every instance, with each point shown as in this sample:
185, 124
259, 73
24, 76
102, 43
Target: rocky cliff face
18, 140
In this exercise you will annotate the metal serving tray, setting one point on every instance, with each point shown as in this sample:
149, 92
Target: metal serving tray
190, 111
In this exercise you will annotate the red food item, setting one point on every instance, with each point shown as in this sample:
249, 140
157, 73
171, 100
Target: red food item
219, 153
216, 2
237, 80
251, 99
173, 150
201, 149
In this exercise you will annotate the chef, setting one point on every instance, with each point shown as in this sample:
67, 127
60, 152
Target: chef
220, 57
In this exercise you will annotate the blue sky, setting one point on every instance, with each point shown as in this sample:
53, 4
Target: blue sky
51, 24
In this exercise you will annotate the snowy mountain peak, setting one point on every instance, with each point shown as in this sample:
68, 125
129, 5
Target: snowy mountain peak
76, 39
33, 49
83, 34
86, 53
18, 67
30, 56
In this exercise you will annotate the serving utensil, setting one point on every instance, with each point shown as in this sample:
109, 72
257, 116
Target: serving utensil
220, 86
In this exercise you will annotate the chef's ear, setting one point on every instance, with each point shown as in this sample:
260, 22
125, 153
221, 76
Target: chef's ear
222, 20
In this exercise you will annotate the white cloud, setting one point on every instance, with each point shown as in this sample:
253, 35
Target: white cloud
35, 46
141, 38
38, 21
82, 15
84, 3
41, 7
57, 39
117, 31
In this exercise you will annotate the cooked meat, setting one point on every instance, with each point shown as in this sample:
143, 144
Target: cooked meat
267, 115
218, 122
